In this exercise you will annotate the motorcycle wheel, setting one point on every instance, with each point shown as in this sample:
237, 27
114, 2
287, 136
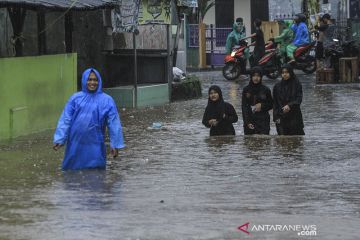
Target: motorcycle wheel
231, 71
310, 67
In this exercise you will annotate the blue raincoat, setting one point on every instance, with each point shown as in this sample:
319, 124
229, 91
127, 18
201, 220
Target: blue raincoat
301, 34
82, 127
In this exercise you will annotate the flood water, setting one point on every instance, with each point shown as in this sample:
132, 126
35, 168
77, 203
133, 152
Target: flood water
178, 183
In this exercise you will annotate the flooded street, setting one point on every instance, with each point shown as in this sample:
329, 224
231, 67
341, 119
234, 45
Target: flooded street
178, 183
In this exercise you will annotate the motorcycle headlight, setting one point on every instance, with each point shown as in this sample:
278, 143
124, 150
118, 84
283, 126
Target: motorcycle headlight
233, 54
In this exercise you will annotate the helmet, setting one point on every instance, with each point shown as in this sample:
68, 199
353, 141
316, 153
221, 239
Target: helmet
301, 17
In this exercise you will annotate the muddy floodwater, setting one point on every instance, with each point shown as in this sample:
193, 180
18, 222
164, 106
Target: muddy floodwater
176, 182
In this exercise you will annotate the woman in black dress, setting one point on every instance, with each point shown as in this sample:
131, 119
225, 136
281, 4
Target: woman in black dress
219, 115
256, 103
287, 99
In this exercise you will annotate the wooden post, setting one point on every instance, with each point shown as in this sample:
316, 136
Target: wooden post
202, 46
348, 69
41, 32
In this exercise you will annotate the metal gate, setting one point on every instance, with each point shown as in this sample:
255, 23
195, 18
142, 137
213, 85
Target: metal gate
215, 42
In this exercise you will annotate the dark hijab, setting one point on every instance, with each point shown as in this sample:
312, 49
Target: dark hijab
255, 88
216, 109
288, 87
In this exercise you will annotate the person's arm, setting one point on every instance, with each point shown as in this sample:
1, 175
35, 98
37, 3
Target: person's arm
64, 123
230, 114
268, 104
246, 109
298, 96
115, 129
277, 105
282, 36
206, 119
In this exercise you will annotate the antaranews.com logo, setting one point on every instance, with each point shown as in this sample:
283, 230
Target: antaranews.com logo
300, 230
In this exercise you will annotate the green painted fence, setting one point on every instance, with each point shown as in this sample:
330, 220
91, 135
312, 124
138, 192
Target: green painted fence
33, 92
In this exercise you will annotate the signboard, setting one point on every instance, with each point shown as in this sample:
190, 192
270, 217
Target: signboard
125, 16
155, 12
187, 3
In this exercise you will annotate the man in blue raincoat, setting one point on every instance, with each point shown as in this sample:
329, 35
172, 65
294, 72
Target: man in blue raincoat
82, 126
301, 36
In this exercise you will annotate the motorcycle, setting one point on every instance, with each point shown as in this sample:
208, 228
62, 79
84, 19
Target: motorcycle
335, 51
305, 58
235, 63
271, 61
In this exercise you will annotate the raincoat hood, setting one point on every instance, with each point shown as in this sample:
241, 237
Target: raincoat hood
85, 77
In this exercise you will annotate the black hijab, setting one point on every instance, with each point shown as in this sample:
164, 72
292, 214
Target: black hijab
288, 87
216, 109
255, 88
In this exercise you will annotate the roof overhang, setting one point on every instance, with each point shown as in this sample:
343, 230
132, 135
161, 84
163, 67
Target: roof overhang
60, 5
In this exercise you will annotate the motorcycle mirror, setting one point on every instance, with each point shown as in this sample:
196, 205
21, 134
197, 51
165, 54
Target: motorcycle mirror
335, 40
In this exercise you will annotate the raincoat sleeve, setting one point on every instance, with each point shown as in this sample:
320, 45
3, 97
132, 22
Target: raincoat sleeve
298, 96
230, 42
114, 127
268, 104
64, 123
284, 35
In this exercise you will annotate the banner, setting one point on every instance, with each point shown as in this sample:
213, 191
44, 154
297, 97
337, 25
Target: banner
187, 3
155, 12
125, 16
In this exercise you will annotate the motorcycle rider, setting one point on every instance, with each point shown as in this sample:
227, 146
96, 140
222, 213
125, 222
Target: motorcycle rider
301, 36
327, 33
285, 38
233, 38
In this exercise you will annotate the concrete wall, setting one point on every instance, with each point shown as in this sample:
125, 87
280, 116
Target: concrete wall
34, 91
241, 9
148, 95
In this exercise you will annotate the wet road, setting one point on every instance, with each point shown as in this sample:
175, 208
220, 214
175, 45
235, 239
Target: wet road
177, 183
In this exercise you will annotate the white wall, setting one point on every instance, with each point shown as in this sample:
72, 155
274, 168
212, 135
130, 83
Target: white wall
242, 8
210, 16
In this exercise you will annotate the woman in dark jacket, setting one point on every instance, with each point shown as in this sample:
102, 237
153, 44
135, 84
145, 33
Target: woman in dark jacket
287, 99
219, 115
256, 103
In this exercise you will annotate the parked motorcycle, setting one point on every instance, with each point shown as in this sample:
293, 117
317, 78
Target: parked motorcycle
335, 51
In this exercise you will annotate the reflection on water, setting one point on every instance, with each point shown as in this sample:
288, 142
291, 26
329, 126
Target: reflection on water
178, 183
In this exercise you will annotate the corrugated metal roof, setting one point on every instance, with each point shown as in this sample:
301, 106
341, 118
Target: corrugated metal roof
60, 4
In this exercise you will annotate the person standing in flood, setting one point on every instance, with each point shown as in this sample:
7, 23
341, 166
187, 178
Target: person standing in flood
82, 126
219, 115
256, 104
288, 96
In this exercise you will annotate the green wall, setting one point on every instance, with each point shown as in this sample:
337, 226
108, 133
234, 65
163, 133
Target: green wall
34, 91
148, 95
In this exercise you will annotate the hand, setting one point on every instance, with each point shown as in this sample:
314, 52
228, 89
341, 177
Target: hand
114, 152
56, 146
258, 107
251, 126
213, 122
286, 109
